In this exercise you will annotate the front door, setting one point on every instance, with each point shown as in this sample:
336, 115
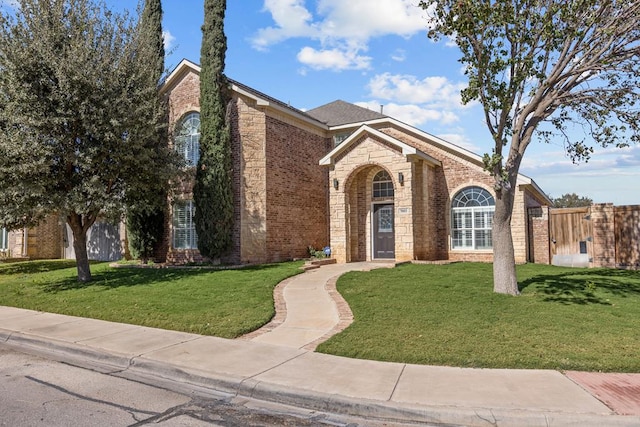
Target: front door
384, 241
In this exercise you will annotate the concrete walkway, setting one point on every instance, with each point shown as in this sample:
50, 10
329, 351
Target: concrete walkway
288, 373
309, 310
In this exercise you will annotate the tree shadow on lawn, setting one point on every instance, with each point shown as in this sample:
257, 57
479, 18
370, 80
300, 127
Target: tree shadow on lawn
124, 277
33, 267
580, 287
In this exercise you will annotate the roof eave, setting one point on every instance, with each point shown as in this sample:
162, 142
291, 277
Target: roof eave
407, 150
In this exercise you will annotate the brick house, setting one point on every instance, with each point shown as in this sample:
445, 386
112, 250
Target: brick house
363, 183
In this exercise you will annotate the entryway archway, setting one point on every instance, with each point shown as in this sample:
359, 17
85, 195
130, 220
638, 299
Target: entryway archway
370, 219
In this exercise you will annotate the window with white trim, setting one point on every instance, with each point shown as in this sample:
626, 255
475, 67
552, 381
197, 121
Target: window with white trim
472, 219
184, 228
4, 239
382, 185
187, 139
340, 138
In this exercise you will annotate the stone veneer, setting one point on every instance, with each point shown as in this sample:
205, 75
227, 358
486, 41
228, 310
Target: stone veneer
422, 204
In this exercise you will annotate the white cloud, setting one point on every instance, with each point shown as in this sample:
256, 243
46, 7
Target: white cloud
399, 55
603, 161
436, 91
612, 175
460, 140
364, 19
333, 59
169, 40
415, 101
339, 26
412, 114
292, 19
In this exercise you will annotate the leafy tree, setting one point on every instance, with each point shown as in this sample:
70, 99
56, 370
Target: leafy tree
545, 68
571, 200
79, 112
145, 223
213, 195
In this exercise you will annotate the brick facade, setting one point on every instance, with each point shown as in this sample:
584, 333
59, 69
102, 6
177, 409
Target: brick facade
43, 241
287, 197
604, 240
539, 235
286, 201
280, 191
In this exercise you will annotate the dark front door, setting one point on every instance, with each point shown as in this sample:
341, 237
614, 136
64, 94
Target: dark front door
384, 241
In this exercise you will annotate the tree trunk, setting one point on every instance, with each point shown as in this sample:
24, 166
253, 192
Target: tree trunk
504, 263
80, 248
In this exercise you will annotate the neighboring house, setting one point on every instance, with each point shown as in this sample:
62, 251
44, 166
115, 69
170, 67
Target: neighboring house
40, 242
52, 239
365, 184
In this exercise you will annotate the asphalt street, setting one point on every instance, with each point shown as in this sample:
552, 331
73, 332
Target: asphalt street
40, 392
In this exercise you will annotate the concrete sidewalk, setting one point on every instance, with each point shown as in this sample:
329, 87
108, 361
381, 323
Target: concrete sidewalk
394, 391
277, 366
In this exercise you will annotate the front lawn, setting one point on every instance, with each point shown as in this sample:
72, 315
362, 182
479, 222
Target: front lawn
582, 319
224, 303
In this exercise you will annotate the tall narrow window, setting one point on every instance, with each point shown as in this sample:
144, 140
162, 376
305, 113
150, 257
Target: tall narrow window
471, 219
184, 229
187, 140
382, 185
4, 239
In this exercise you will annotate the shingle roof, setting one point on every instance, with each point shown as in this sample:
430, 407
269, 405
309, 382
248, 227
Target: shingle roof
339, 112
269, 98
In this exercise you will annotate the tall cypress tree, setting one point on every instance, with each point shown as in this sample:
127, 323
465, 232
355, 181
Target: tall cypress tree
145, 222
212, 193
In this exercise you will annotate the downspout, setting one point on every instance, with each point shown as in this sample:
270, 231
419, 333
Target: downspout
25, 239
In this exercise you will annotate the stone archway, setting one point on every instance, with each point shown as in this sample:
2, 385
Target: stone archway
360, 206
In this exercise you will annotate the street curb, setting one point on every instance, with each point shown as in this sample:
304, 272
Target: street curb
148, 371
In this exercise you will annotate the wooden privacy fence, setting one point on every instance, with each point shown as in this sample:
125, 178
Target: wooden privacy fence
601, 235
571, 237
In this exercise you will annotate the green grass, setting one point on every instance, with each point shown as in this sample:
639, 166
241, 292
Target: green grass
224, 303
582, 319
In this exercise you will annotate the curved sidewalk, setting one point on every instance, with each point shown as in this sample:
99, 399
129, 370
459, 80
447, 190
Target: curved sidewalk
289, 374
309, 310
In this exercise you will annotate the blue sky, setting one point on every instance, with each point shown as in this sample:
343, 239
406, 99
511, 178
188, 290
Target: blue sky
372, 53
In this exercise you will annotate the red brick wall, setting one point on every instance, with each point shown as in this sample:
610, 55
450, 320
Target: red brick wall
604, 241
45, 240
539, 235
297, 189
296, 186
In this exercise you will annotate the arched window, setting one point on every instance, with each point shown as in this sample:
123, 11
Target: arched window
472, 218
187, 140
382, 185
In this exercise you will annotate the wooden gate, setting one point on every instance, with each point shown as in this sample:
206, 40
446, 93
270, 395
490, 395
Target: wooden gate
571, 235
